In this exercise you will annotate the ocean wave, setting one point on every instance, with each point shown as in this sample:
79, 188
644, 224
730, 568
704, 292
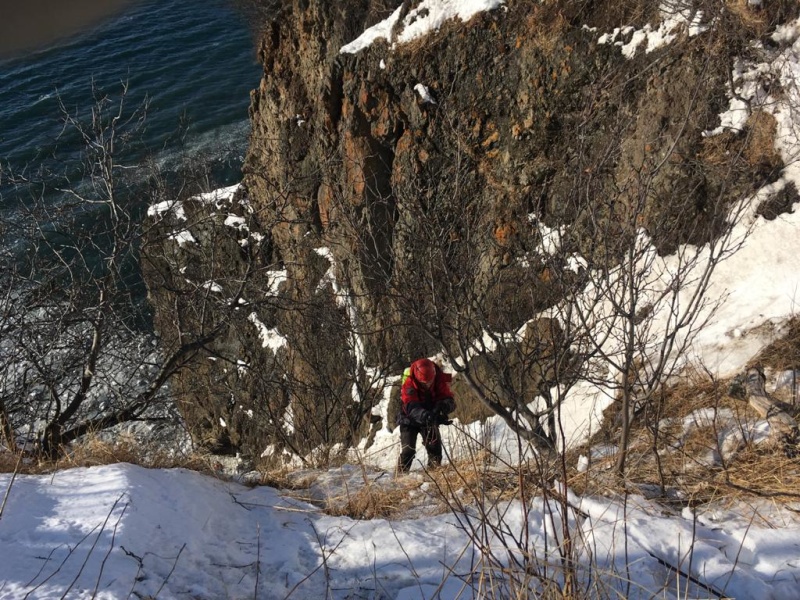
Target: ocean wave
193, 60
44, 97
179, 54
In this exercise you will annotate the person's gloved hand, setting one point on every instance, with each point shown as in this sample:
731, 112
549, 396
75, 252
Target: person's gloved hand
446, 406
427, 418
443, 419
443, 408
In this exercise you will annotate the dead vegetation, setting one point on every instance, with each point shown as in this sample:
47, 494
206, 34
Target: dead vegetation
680, 462
374, 501
784, 352
681, 452
93, 451
699, 444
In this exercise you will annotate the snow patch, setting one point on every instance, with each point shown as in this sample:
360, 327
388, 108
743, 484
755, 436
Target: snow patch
429, 16
270, 338
168, 206
672, 23
424, 93
183, 237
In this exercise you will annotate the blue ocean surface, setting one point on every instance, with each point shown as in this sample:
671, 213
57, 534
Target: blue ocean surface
194, 61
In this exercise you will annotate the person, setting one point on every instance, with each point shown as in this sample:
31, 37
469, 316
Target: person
426, 402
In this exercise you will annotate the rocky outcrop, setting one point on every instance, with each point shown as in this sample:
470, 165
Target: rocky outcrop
424, 169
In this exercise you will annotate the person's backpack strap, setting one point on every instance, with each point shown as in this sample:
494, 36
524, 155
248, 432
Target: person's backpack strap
406, 375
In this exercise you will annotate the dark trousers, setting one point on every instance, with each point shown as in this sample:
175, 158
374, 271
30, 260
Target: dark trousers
408, 445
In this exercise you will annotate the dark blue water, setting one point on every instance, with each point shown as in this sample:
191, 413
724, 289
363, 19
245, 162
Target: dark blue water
194, 60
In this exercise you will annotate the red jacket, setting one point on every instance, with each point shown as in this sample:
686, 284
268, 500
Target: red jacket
417, 402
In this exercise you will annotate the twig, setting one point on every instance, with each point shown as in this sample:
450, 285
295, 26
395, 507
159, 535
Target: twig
110, 548
21, 453
245, 506
44, 564
140, 561
409, 559
10, 485
450, 571
171, 571
302, 581
739, 550
258, 559
66, 558
688, 576
286, 508
322, 565
94, 545
760, 493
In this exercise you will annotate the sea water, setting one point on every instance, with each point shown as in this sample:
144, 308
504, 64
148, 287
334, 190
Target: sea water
193, 61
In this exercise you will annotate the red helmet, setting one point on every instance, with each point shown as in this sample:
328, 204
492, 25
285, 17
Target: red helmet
424, 371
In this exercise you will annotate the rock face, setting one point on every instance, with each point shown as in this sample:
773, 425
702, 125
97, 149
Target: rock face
404, 188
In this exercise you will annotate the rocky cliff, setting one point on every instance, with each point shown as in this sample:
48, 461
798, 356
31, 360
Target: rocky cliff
401, 189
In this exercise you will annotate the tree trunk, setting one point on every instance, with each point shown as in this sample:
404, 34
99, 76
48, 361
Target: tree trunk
6, 431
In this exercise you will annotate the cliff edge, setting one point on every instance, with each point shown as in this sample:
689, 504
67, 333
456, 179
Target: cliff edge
406, 167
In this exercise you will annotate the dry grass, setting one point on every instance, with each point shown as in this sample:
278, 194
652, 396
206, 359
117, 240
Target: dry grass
747, 17
759, 150
378, 495
373, 501
279, 478
550, 26
8, 462
685, 466
719, 150
374, 495
783, 353
756, 146
93, 451
472, 480
760, 471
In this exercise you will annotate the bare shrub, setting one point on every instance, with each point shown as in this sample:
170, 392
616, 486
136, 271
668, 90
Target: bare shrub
77, 354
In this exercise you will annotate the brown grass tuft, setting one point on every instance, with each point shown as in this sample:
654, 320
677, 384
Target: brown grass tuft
465, 481
373, 501
279, 478
747, 17
719, 150
94, 451
760, 149
783, 353
8, 462
684, 467
368, 495
756, 146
